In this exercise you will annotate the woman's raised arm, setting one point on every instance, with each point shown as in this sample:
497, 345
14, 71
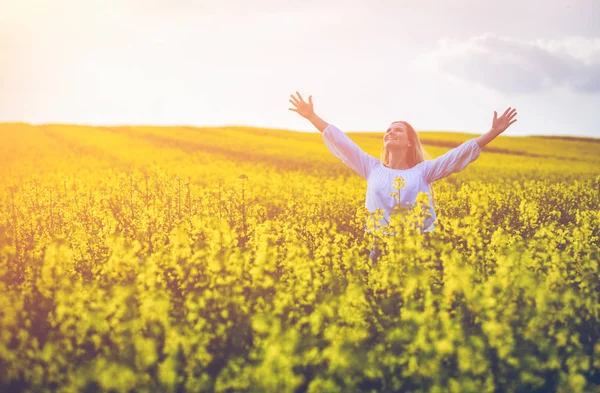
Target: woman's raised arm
307, 111
455, 160
336, 140
499, 125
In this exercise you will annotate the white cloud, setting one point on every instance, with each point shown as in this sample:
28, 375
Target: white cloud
513, 65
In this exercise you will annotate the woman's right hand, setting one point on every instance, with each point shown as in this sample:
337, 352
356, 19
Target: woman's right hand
303, 108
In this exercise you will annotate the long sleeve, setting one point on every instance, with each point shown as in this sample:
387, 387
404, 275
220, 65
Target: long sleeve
453, 161
349, 152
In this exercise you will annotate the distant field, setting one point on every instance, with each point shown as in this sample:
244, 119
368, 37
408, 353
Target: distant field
233, 259
49, 146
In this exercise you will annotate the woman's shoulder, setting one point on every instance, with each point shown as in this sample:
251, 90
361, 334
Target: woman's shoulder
374, 161
420, 164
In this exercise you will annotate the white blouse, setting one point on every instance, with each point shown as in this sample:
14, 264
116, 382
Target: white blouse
380, 179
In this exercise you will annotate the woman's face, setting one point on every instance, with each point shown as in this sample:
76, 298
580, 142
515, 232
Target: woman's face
396, 137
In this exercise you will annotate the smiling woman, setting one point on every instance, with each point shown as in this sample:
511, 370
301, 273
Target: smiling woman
402, 157
402, 148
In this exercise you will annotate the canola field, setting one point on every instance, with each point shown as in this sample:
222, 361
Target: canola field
182, 259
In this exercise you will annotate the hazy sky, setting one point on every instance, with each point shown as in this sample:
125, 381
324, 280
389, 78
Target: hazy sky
440, 65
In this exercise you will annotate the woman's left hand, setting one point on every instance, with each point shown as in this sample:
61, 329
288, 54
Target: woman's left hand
499, 124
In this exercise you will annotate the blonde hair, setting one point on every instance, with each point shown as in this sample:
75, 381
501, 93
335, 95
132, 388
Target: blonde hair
416, 152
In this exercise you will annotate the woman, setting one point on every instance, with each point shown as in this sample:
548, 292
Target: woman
401, 162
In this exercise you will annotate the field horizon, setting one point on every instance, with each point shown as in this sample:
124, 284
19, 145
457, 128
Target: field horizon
242, 126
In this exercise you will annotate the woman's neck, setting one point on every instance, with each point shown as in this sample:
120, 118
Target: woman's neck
397, 160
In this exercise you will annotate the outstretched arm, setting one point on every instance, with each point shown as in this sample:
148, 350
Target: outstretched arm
349, 152
455, 160
306, 110
336, 140
499, 125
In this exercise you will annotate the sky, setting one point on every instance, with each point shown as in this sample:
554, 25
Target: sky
440, 65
